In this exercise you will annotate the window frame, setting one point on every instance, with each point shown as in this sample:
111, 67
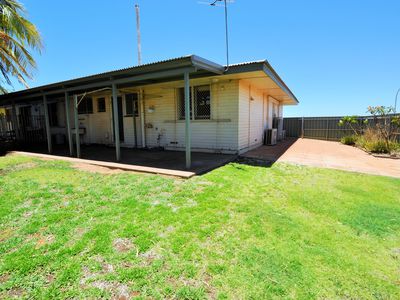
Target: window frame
135, 107
84, 102
180, 96
52, 108
98, 100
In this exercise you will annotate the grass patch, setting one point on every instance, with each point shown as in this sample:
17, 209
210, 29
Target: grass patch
238, 232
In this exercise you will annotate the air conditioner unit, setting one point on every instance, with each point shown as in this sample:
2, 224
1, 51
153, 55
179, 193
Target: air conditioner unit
270, 136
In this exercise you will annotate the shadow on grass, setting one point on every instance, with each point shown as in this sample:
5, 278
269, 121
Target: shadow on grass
265, 156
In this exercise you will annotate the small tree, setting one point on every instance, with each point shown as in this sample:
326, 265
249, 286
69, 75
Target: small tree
386, 122
353, 122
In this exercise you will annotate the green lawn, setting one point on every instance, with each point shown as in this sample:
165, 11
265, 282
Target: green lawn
238, 232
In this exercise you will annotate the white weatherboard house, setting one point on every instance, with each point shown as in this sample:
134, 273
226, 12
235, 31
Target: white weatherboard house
186, 103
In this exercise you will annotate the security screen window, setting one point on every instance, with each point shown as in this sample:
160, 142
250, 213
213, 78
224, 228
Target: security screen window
201, 103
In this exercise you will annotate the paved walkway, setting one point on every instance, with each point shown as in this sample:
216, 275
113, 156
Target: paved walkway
327, 154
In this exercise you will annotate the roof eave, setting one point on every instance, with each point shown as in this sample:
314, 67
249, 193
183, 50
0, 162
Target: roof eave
267, 68
207, 65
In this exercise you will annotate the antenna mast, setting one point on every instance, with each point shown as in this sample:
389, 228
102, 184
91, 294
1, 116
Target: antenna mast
215, 3
226, 36
139, 44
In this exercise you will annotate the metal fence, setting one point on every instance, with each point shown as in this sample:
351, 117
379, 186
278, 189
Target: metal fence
7, 134
323, 128
6, 129
30, 129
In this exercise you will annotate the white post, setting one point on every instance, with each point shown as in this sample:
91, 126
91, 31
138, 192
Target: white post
47, 123
142, 116
116, 122
68, 123
77, 136
188, 134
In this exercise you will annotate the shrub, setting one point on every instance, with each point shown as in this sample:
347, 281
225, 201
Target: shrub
349, 140
386, 124
378, 146
372, 141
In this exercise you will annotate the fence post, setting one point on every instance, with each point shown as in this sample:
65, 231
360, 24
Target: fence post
327, 128
302, 127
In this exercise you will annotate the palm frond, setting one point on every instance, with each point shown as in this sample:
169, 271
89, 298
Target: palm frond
17, 34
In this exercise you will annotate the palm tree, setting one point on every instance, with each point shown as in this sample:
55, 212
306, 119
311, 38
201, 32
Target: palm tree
17, 35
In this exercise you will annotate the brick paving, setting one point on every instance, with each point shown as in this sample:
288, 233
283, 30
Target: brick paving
327, 154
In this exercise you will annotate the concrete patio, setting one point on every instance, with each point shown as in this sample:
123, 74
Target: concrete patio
326, 154
141, 160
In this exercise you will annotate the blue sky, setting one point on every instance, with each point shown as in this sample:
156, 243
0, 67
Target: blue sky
338, 57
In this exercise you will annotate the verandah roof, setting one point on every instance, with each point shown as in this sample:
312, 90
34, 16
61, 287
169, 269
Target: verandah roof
158, 72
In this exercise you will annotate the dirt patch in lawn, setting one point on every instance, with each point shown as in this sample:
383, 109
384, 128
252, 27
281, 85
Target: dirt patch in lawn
16, 293
4, 278
149, 256
116, 289
41, 240
123, 245
5, 234
96, 169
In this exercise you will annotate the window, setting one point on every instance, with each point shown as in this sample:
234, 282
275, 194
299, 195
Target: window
131, 104
53, 115
101, 104
85, 106
201, 103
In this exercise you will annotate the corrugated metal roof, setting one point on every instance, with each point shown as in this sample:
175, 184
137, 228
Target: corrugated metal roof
169, 64
172, 63
134, 67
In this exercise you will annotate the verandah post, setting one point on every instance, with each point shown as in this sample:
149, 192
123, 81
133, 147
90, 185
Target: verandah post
116, 122
188, 133
68, 122
47, 124
76, 119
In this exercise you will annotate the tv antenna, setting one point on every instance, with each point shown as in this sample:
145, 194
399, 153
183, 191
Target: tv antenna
225, 5
139, 43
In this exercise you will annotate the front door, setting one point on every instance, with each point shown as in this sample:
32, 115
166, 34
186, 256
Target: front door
120, 119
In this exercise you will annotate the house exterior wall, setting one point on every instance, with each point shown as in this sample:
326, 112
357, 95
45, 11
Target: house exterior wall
251, 117
98, 125
162, 126
219, 134
240, 113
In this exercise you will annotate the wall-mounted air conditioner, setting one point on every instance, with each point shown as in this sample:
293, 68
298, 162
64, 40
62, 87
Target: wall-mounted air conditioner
271, 136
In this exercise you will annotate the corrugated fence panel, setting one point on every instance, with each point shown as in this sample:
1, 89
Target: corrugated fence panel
322, 128
292, 127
